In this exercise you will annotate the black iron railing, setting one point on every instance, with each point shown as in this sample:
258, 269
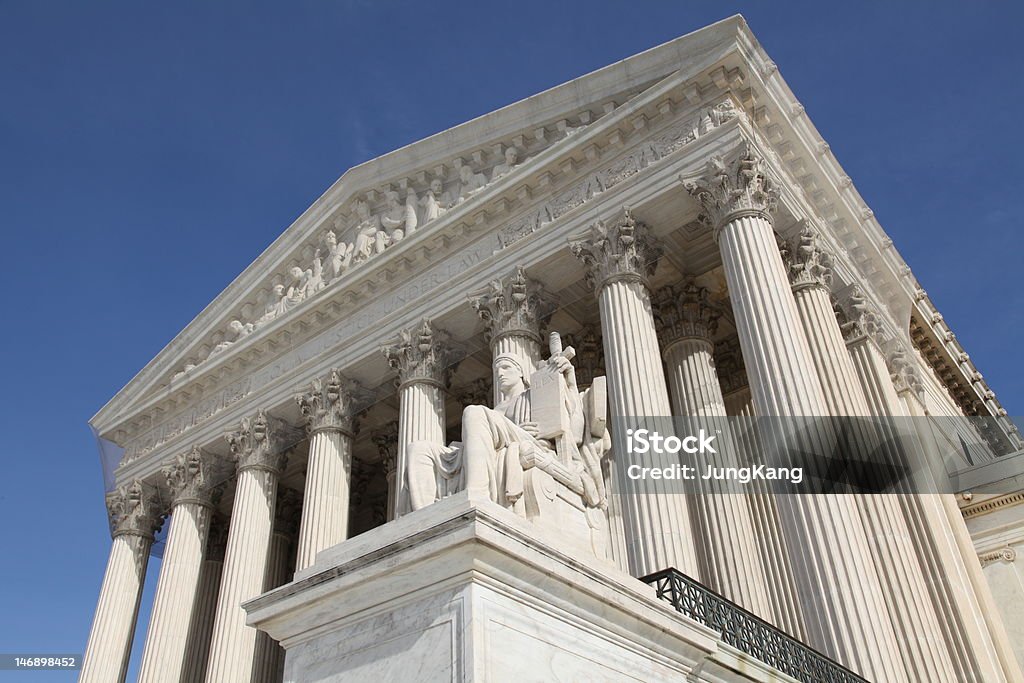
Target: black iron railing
747, 632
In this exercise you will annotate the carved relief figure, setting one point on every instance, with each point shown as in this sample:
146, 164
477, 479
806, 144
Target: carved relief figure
470, 182
236, 330
339, 256
394, 218
370, 239
511, 161
434, 201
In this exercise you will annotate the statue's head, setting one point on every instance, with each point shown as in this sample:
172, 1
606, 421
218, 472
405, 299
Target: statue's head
511, 154
331, 239
509, 373
435, 186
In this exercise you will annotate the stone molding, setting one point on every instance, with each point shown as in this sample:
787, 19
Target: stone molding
517, 305
617, 250
992, 504
256, 444
134, 509
332, 403
733, 188
809, 262
422, 354
190, 478
684, 312
1006, 554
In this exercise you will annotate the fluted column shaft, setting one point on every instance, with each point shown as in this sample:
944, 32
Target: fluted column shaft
269, 665
233, 647
969, 641
904, 594
620, 255
828, 540
163, 658
724, 521
205, 610
113, 626
330, 407
326, 510
134, 518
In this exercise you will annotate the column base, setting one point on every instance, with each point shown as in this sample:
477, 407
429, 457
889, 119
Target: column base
464, 590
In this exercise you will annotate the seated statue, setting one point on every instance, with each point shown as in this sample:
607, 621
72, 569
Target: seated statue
538, 452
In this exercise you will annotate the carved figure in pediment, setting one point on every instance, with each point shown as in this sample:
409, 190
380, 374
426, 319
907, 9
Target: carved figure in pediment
511, 161
339, 255
470, 182
316, 275
435, 201
272, 307
370, 239
541, 435
395, 218
236, 330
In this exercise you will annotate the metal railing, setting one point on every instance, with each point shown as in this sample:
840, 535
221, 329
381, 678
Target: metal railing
746, 631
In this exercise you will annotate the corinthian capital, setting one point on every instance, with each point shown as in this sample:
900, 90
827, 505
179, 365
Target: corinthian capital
857, 317
134, 509
257, 443
421, 354
683, 312
518, 305
622, 249
332, 404
729, 189
902, 370
190, 477
809, 263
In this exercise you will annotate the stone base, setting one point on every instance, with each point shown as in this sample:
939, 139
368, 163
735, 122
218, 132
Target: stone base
467, 591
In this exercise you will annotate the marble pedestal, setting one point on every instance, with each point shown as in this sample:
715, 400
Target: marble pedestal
467, 591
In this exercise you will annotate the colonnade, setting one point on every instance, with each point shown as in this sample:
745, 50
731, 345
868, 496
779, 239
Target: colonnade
880, 583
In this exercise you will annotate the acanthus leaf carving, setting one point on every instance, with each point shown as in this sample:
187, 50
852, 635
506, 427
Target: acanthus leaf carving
332, 403
618, 249
683, 312
190, 477
517, 305
257, 443
857, 317
134, 509
809, 263
737, 187
422, 354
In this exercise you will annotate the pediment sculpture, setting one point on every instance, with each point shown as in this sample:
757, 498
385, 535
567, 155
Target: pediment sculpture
542, 451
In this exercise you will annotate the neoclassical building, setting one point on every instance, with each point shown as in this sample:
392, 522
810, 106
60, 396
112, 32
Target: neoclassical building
384, 451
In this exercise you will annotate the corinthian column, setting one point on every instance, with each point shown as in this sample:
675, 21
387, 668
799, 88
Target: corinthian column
329, 408
260, 462
906, 596
515, 311
841, 613
134, 519
189, 480
423, 358
687, 323
269, 666
975, 635
619, 257
205, 610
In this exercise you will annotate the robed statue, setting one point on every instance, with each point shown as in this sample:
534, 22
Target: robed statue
540, 451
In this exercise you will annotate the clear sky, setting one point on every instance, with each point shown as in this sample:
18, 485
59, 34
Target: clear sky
149, 152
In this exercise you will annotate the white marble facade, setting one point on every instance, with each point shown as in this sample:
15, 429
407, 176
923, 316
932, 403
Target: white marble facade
385, 448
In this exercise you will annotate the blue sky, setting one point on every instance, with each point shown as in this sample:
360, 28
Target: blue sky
149, 152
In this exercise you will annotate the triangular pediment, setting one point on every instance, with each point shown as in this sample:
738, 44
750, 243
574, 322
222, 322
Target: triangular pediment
368, 210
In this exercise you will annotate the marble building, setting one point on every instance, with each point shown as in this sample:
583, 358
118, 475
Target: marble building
383, 452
